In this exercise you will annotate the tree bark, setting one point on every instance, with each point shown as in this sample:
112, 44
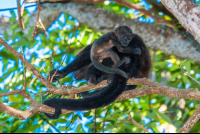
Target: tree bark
188, 14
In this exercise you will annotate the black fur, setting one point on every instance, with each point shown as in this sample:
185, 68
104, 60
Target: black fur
139, 66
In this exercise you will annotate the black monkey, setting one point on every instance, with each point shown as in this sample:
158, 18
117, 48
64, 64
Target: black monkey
138, 67
101, 49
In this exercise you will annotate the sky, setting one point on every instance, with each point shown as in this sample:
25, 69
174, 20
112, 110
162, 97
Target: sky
6, 4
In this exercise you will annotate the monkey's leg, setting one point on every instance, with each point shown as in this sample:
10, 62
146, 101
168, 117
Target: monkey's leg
91, 76
109, 53
95, 60
79, 62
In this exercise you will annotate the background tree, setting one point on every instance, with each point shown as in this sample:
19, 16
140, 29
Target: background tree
68, 26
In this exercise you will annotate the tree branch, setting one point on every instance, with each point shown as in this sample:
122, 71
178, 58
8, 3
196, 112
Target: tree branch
20, 15
159, 7
121, 2
188, 14
137, 124
191, 122
29, 66
171, 41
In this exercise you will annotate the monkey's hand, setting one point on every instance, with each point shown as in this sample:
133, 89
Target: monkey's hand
53, 103
125, 60
57, 76
137, 51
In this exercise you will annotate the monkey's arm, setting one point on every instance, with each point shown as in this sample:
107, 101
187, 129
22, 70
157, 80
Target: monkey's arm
102, 49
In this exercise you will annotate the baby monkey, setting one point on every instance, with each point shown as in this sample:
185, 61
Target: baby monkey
102, 48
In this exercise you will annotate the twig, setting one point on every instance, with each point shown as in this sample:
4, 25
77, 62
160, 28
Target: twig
60, 85
50, 66
21, 92
188, 75
95, 112
159, 7
49, 123
23, 4
103, 126
62, 60
137, 124
58, 67
104, 120
20, 15
24, 69
43, 27
145, 12
115, 118
70, 121
38, 19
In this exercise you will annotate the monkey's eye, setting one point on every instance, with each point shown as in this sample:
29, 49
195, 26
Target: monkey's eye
125, 37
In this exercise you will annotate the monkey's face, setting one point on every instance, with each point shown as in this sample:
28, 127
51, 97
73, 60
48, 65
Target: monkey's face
124, 35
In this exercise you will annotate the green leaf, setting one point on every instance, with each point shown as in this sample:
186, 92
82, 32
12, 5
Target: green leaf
30, 31
152, 115
164, 117
185, 115
174, 75
13, 18
184, 78
5, 35
14, 27
178, 123
188, 66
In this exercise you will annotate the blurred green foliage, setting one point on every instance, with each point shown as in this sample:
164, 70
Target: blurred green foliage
154, 112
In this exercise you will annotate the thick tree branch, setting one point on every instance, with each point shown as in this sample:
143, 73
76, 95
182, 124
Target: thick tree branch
151, 88
121, 2
23, 115
169, 40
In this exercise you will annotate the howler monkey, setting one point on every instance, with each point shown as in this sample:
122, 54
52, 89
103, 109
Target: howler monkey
101, 49
138, 67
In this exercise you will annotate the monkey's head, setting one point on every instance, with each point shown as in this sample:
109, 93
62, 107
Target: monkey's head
124, 35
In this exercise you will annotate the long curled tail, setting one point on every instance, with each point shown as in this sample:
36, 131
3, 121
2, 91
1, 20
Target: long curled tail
103, 98
106, 69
